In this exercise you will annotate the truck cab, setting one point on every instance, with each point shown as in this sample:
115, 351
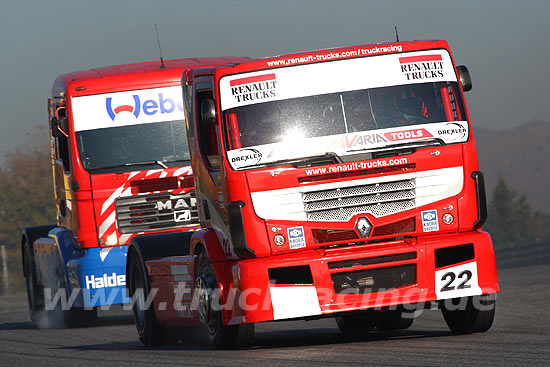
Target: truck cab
336, 183
121, 168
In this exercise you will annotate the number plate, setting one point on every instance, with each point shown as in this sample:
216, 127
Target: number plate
457, 281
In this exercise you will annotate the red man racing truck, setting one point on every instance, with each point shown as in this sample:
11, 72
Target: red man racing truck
121, 167
338, 183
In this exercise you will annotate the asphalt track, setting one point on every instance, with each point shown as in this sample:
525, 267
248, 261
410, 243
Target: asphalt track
519, 336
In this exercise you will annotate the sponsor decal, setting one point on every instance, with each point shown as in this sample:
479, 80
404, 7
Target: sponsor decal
296, 238
246, 157
306, 77
370, 139
332, 55
105, 281
421, 67
150, 107
356, 166
452, 131
350, 141
144, 106
408, 134
429, 220
254, 88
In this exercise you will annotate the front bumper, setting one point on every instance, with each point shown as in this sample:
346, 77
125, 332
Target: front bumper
329, 281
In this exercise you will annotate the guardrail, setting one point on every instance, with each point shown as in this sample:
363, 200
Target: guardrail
522, 254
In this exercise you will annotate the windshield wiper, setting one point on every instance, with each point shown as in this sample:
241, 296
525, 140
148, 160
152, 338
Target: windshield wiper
160, 163
129, 164
428, 142
177, 160
308, 161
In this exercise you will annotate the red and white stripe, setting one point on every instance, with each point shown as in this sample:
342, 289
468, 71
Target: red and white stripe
107, 215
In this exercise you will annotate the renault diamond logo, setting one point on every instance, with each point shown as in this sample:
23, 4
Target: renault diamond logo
363, 227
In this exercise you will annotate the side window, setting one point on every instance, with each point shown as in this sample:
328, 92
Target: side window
207, 133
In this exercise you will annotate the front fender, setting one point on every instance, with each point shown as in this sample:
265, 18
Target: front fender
208, 240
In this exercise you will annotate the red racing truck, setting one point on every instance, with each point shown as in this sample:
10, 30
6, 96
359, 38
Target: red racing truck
337, 183
121, 167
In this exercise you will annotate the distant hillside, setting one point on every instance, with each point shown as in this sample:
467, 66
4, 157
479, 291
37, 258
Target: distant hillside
522, 155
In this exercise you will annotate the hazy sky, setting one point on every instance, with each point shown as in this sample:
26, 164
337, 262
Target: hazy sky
504, 43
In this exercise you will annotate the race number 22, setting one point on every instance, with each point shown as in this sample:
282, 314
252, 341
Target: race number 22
457, 281
450, 277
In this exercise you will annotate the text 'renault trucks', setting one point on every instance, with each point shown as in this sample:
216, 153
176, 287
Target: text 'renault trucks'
337, 183
121, 167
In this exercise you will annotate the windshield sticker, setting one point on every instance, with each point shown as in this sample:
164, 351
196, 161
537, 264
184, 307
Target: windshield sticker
408, 134
246, 157
453, 131
252, 88
318, 78
127, 108
422, 67
346, 144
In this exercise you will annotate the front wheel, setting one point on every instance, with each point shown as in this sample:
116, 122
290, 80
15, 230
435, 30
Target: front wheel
469, 314
149, 330
210, 310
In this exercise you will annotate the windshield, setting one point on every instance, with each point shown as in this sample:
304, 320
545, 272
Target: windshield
341, 107
131, 128
119, 146
345, 112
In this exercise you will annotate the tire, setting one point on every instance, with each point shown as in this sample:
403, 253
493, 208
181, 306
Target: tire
56, 318
356, 324
390, 320
464, 316
35, 295
219, 335
149, 330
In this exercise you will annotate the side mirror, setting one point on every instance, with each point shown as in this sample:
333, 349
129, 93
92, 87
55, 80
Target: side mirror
464, 76
59, 127
208, 112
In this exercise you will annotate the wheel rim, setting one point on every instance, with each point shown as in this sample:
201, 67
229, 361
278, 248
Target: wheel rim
205, 287
203, 300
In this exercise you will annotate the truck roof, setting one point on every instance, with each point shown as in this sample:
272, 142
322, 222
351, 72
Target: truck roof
131, 76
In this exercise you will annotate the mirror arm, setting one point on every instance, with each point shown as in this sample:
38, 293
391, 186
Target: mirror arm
58, 121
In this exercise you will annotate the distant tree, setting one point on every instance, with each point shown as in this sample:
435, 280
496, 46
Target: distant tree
500, 222
523, 227
26, 192
512, 220
541, 227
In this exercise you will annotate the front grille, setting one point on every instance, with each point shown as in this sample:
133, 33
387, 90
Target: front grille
154, 212
374, 280
337, 205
